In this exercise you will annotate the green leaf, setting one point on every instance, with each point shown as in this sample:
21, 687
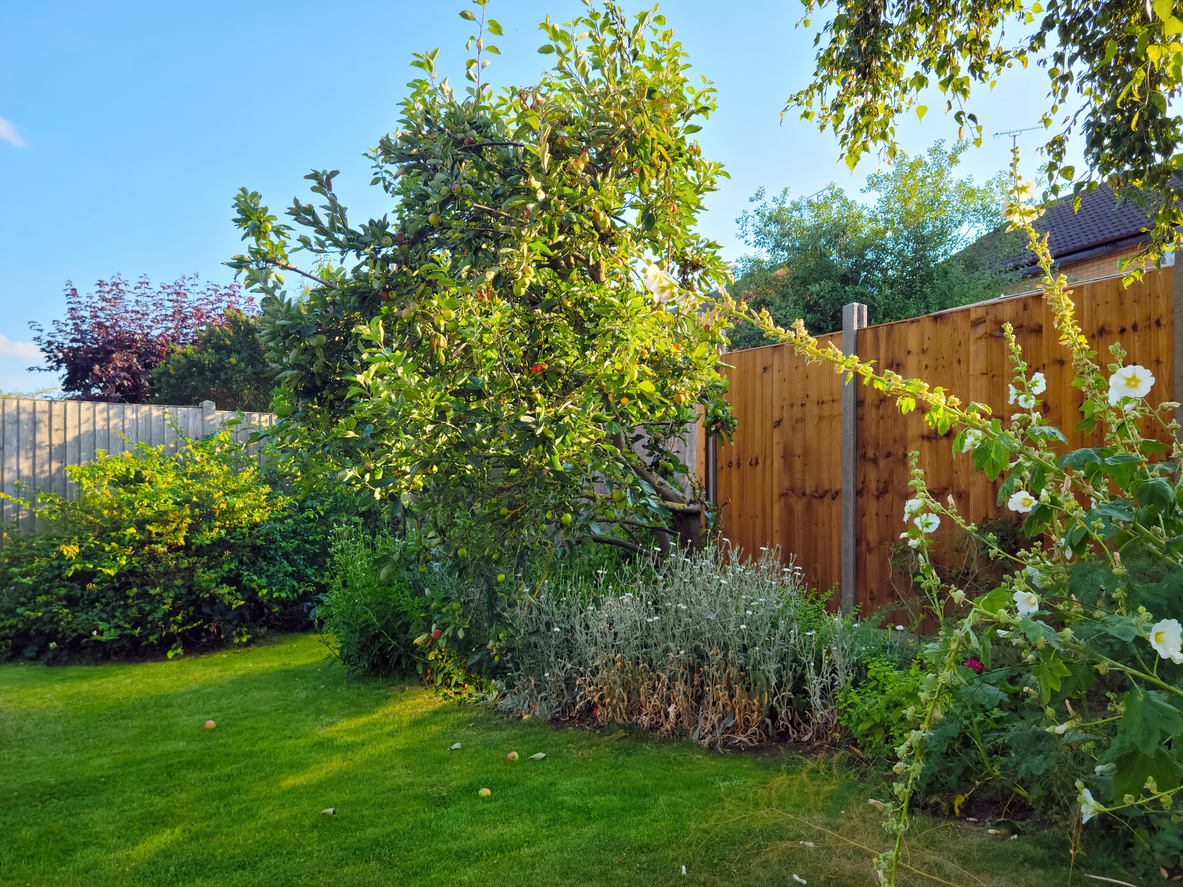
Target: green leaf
467, 15
546, 49
1049, 672
493, 27
921, 110
1147, 718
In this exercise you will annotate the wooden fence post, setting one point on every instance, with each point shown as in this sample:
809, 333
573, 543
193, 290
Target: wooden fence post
854, 318
1177, 393
209, 418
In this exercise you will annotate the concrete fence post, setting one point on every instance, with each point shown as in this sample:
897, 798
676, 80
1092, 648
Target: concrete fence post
854, 318
209, 418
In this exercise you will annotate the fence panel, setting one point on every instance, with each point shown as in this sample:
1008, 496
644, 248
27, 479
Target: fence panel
39, 439
780, 483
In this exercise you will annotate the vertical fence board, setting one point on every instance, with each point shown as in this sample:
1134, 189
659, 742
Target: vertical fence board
9, 469
57, 433
42, 450
73, 428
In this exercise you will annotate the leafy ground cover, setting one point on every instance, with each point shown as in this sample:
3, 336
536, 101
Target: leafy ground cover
108, 777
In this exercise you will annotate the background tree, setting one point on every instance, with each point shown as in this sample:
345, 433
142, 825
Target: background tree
899, 255
516, 353
1123, 56
112, 339
226, 364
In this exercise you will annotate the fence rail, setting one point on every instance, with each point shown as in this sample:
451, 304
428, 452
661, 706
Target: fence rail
39, 439
782, 481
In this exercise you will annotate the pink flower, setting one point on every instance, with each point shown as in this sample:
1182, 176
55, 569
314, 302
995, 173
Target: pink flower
974, 664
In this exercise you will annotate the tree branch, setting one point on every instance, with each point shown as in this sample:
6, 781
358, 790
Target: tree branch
476, 146
287, 267
667, 491
621, 543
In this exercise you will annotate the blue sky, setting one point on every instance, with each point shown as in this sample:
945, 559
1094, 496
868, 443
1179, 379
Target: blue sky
126, 127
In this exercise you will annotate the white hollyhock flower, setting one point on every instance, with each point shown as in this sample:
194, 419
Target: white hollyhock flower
1025, 191
1026, 602
927, 523
1166, 636
1088, 807
1131, 381
973, 437
913, 543
1021, 501
1014, 393
1038, 384
912, 508
1026, 401
658, 282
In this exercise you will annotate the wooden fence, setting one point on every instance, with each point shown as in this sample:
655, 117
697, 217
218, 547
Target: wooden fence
40, 438
781, 481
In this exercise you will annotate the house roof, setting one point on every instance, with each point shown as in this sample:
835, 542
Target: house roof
1100, 226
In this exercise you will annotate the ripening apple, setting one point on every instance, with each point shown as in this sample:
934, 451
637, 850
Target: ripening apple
512, 756
209, 725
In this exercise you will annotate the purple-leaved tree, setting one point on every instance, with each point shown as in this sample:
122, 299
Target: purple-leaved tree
112, 339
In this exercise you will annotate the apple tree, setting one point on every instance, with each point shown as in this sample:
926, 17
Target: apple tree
516, 349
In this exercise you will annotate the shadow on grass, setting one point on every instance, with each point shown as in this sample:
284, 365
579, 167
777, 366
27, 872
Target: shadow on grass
107, 776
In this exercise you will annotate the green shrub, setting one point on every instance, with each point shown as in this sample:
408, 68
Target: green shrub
723, 651
158, 550
870, 709
368, 622
226, 365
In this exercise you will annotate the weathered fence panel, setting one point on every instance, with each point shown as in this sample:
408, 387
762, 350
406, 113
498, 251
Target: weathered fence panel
39, 439
781, 481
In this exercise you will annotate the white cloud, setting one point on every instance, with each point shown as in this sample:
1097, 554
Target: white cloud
8, 133
23, 350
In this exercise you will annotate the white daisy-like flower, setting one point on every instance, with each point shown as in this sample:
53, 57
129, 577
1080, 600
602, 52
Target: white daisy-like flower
970, 442
899, 628
1166, 636
912, 508
1021, 501
927, 523
1026, 602
658, 282
1089, 807
1131, 381
1026, 401
1038, 384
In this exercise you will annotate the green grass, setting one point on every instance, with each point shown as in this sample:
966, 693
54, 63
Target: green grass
108, 777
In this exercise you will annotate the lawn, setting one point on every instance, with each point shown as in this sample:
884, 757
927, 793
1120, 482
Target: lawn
107, 776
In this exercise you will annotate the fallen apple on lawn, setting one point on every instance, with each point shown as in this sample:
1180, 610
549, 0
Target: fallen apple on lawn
209, 725
512, 756
484, 793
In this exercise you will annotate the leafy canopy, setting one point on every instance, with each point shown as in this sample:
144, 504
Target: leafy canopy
226, 364
876, 60
489, 349
112, 339
899, 254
